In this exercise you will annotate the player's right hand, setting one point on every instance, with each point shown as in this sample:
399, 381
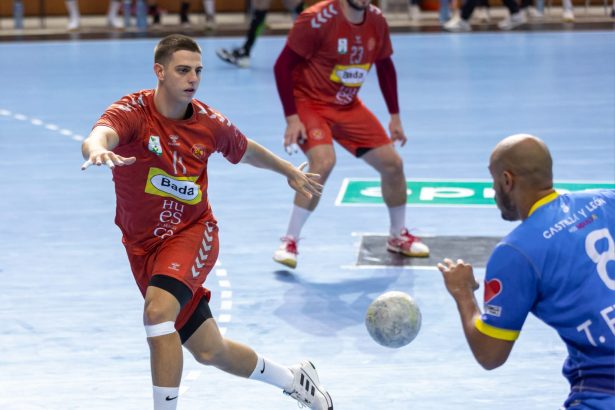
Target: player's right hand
109, 158
295, 133
305, 183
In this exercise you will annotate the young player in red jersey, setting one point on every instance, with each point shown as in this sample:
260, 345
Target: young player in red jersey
328, 54
157, 143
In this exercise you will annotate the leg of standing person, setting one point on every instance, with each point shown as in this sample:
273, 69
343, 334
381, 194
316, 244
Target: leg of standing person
515, 18
113, 19
568, 11
321, 160
414, 10
484, 11
389, 165
462, 22
240, 56
154, 11
74, 16
359, 132
184, 9
209, 9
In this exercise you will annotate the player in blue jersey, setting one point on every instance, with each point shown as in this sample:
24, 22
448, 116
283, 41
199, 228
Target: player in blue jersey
559, 264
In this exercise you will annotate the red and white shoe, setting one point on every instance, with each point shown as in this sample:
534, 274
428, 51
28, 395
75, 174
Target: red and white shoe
408, 245
287, 253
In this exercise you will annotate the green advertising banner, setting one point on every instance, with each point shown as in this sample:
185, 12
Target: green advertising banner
440, 192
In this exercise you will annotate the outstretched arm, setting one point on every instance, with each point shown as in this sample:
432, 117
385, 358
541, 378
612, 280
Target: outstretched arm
461, 284
303, 182
97, 149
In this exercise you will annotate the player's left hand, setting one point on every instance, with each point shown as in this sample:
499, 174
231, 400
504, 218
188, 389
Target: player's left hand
396, 130
458, 277
305, 183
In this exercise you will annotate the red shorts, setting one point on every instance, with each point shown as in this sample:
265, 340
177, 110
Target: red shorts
354, 127
187, 256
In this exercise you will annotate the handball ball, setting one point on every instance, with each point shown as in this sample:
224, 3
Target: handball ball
393, 319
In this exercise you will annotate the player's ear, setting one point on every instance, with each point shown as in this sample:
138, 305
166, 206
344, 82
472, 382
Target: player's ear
159, 71
508, 178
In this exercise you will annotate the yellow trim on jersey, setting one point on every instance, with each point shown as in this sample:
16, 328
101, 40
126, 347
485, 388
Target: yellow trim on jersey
495, 332
350, 75
543, 201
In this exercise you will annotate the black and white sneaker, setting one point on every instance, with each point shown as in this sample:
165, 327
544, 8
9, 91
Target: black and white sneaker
307, 389
235, 56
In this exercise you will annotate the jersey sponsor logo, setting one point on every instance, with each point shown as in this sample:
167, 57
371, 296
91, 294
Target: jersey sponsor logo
350, 75
183, 189
577, 221
492, 289
342, 45
154, 145
493, 310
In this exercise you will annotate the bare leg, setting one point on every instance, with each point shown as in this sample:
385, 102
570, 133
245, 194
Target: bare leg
209, 348
321, 160
165, 351
389, 165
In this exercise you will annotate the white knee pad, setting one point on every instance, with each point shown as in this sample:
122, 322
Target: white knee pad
161, 329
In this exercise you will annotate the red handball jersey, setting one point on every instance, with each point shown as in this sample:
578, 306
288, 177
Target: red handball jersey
165, 190
339, 53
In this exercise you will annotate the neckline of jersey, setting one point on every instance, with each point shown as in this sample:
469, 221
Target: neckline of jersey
543, 201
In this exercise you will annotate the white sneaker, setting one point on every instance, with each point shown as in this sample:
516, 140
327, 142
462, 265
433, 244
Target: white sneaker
73, 24
456, 25
287, 253
114, 22
513, 21
483, 14
306, 387
414, 13
407, 244
568, 16
535, 14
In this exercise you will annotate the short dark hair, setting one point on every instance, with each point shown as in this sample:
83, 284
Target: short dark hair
172, 43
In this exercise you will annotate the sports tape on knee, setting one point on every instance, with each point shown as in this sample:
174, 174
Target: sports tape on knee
161, 329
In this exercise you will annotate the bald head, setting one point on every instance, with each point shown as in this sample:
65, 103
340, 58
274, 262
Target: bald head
527, 158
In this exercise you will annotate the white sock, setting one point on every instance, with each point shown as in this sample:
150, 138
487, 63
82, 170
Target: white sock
272, 373
209, 6
162, 396
73, 9
298, 217
114, 7
397, 215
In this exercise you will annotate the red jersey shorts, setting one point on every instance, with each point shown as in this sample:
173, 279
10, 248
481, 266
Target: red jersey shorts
187, 256
354, 127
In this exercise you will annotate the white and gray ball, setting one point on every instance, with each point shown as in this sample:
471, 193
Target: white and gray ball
393, 319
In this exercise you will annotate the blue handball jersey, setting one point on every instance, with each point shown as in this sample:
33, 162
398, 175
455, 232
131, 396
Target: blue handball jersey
559, 264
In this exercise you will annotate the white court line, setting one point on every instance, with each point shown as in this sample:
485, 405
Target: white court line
40, 123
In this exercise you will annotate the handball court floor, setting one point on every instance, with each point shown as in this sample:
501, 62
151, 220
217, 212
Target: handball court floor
71, 335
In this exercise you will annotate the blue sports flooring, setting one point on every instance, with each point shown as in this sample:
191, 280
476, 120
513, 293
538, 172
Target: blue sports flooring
70, 314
